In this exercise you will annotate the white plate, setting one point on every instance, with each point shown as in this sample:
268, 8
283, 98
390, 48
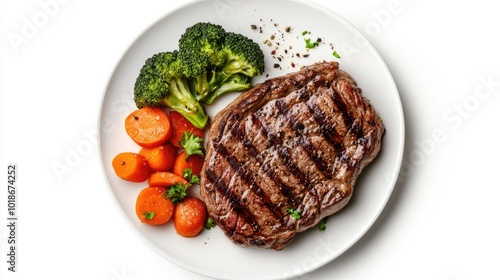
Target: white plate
212, 254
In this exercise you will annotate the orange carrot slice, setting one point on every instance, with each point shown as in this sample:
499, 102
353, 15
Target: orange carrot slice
152, 207
161, 158
190, 216
148, 127
194, 162
131, 167
165, 179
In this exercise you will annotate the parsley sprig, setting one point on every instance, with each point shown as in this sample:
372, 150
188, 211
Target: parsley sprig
311, 45
191, 144
295, 213
148, 215
210, 223
322, 224
178, 191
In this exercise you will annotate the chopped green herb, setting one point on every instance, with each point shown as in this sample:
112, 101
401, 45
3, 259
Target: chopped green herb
191, 178
148, 215
176, 192
310, 45
210, 223
295, 213
304, 32
322, 224
191, 144
336, 54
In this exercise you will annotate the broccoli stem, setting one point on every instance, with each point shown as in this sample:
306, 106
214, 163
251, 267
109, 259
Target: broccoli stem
204, 84
223, 84
181, 100
225, 88
201, 86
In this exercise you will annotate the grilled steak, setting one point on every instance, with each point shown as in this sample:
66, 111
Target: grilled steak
294, 143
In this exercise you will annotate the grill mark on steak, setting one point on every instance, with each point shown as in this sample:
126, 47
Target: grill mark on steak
345, 127
233, 199
353, 128
248, 179
302, 140
240, 134
320, 163
256, 122
285, 189
342, 108
285, 156
284, 151
327, 130
222, 127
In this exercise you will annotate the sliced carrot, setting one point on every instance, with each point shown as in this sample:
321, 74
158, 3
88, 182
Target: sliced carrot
165, 179
152, 207
161, 158
194, 162
180, 125
148, 127
190, 216
131, 167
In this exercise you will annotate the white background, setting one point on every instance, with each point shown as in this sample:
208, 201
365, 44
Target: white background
442, 221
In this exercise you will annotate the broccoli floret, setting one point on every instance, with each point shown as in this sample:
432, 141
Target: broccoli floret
196, 68
210, 57
200, 52
159, 83
204, 40
244, 58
